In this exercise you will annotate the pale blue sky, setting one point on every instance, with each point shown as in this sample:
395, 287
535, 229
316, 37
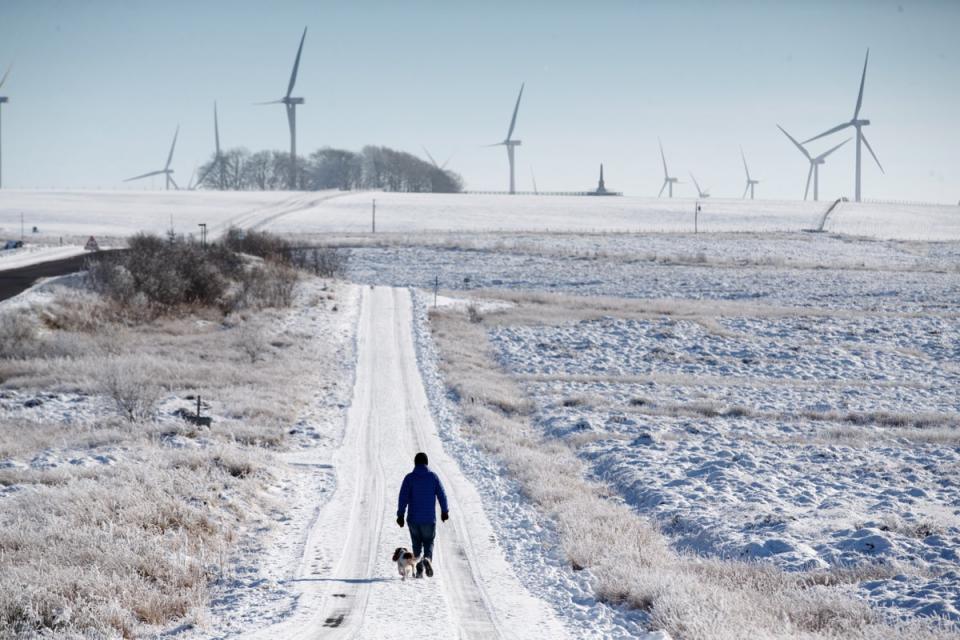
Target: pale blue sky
99, 86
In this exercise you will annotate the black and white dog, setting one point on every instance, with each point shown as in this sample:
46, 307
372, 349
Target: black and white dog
406, 562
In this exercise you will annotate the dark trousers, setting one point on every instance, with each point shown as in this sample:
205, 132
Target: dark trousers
421, 535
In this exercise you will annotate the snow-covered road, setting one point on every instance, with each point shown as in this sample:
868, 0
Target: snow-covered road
348, 586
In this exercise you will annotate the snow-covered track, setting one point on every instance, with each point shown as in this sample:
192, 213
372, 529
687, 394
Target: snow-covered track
348, 586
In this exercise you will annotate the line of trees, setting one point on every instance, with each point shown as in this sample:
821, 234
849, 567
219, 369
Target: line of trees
371, 168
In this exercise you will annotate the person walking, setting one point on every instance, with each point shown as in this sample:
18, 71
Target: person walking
418, 493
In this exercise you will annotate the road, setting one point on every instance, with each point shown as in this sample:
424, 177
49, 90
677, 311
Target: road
348, 586
16, 281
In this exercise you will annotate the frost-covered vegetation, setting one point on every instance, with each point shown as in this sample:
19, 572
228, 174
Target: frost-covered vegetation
741, 447
119, 517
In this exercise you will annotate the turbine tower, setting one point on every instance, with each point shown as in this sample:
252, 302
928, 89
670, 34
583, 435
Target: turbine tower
291, 105
166, 171
857, 123
510, 143
218, 157
751, 183
668, 182
3, 101
700, 192
814, 164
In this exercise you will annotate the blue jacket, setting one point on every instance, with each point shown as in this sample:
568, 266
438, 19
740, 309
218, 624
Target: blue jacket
419, 489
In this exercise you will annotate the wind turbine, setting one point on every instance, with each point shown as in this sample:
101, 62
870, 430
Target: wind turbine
667, 180
700, 192
3, 101
291, 104
857, 123
751, 183
166, 171
441, 167
814, 164
509, 143
218, 158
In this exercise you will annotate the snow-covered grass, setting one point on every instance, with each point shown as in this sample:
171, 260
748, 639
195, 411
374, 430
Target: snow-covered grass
114, 527
629, 560
925, 287
75, 215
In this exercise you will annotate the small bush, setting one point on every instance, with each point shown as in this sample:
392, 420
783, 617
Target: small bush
326, 262
267, 285
251, 341
258, 243
128, 384
17, 334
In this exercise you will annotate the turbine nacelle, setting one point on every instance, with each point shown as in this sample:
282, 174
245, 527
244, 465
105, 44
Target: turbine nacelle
4, 99
288, 100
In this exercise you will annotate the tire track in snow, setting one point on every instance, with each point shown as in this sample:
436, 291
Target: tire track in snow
263, 216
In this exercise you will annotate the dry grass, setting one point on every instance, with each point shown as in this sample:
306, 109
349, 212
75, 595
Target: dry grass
130, 536
630, 561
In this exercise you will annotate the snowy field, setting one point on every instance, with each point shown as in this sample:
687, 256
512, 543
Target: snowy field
120, 213
769, 440
707, 267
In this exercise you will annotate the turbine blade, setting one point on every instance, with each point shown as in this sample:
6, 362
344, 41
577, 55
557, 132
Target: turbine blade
443, 167
296, 64
216, 129
495, 144
856, 112
745, 164
172, 146
662, 188
516, 108
175, 185
797, 144
260, 104
696, 184
6, 73
146, 175
831, 150
809, 176
870, 149
839, 127
204, 175
745, 192
666, 174
431, 158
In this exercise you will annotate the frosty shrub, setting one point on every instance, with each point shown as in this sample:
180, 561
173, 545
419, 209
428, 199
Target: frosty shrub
251, 341
326, 262
474, 314
166, 274
128, 383
17, 333
258, 243
268, 285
